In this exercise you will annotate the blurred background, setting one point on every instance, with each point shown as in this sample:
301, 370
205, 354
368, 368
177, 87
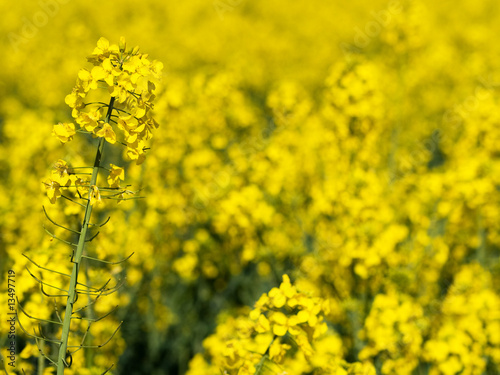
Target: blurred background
354, 146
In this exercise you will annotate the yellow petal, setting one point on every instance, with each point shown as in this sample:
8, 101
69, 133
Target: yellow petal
279, 317
98, 73
279, 330
103, 44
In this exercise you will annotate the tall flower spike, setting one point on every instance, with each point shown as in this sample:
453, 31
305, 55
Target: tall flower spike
129, 78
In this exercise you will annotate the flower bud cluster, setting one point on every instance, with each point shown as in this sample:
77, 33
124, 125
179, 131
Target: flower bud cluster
65, 178
285, 310
284, 334
130, 78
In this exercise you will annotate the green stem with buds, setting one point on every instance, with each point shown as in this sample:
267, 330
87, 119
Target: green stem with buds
77, 257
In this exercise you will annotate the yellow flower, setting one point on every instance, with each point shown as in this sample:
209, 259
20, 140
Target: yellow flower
115, 175
304, 345
136, 154
132, 64
95, 195
82, 186
280, 323
107, 132
262, 302
103, 46
103, 73
75, 99
263, 324
286, 287
53, 190
61, 173
64, 131
302, 317
89, 121
277, 351
277, 297
102, 51
120, 90
359, 368
86, 81
129, 129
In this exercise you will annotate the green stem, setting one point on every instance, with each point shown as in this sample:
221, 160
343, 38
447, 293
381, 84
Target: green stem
89, 353
78, 255
41, 359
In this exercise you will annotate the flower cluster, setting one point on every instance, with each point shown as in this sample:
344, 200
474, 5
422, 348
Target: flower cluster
375, 181
393, 330
129, 77
285, 333
464, 336
285, 310
63, 178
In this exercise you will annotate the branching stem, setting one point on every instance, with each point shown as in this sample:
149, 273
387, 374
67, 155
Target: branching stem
61, 363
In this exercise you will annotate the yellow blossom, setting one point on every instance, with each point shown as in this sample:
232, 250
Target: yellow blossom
53, 190
115, 175
107, 132
95, 195
64, 131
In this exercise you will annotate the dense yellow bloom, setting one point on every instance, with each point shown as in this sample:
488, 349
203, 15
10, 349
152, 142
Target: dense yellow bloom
355, 156
240, 347
131, 79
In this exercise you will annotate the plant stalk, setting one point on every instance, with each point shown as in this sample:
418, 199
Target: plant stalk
77, 257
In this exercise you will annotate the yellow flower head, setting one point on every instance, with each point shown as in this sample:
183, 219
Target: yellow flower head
64, 131
130, 78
